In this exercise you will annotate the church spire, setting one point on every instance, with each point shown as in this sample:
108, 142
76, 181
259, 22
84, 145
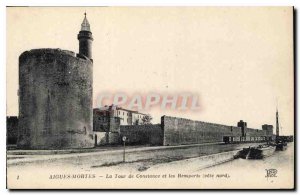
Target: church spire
85, 26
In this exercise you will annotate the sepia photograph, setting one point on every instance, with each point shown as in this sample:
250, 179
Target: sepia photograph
111, 97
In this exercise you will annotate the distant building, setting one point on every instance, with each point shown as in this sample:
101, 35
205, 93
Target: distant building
105, 116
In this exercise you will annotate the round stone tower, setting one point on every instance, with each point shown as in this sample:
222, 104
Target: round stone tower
55, 100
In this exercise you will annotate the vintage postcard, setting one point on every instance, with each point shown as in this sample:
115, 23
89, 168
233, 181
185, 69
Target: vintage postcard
150, 98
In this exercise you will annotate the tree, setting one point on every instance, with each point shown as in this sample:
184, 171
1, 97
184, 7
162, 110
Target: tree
147, 119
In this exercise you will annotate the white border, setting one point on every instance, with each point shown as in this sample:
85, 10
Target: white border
5, 3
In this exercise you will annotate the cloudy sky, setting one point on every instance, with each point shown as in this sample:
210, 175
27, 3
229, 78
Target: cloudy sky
238, 61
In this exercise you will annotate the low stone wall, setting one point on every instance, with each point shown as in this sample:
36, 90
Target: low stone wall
176, 131
179, 131
255, 132
142, 134
114, 138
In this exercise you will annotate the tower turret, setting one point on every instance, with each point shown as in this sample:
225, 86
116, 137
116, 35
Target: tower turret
85, 39
243, 126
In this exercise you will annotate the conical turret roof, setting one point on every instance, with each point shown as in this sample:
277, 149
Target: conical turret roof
85, 26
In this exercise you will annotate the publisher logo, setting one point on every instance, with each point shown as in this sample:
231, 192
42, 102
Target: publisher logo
271, 173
